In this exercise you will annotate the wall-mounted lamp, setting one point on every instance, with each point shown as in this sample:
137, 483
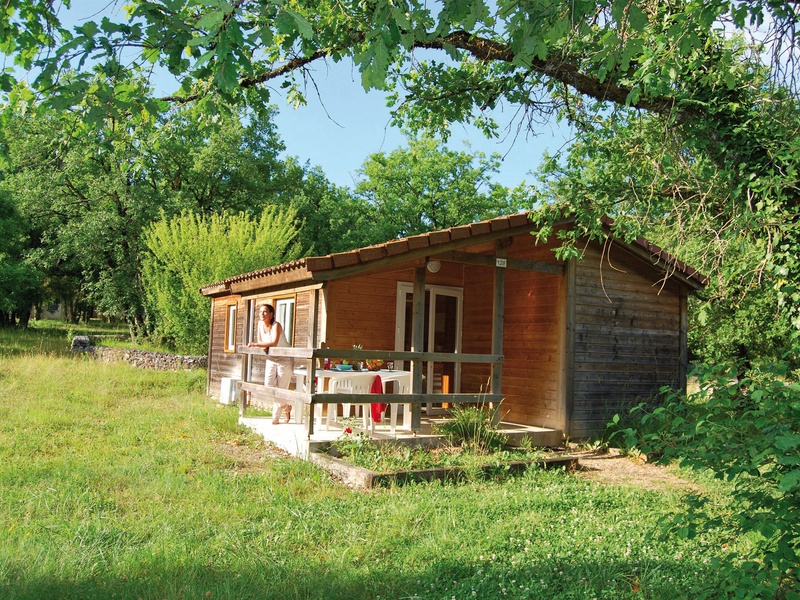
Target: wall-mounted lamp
434, 266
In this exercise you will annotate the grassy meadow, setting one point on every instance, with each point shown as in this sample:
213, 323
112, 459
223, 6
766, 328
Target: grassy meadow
122, 483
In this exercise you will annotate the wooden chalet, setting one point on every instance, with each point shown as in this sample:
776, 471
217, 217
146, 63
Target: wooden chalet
480, 312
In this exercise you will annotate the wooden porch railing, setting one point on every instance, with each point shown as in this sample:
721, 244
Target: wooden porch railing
312, 397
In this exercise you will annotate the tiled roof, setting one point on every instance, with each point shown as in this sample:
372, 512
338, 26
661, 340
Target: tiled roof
423, 240
304, 268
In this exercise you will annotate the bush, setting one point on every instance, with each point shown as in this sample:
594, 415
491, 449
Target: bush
746, 431
189, 251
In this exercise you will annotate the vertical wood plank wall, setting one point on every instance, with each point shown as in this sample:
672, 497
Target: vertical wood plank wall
220, 363
627, 340
532, 372
533, 358
476, 335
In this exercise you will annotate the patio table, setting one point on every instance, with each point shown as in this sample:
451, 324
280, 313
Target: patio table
326, 379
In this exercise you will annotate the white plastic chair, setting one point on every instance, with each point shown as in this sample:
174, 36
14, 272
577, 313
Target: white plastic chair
400, 387
357, 383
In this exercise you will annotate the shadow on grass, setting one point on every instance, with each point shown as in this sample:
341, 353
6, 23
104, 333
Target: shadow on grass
375, 577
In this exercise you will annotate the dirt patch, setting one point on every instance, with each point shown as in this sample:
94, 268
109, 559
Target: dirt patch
249, 457
612, 468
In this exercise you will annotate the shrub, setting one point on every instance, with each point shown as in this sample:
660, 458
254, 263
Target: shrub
746, 431
189, 251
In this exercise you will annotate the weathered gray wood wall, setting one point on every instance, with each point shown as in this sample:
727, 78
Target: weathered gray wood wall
626, 337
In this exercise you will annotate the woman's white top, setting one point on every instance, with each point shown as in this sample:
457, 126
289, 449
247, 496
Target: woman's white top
264, 335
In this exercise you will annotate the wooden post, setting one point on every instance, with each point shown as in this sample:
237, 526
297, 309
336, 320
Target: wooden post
569, 348
683, 365
211, 346
417, 343
498, 315
311, 380
246, 327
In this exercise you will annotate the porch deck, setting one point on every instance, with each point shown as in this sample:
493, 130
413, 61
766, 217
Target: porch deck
293, 438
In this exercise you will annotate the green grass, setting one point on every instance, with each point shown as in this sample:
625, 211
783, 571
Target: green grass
122, 483
53, 337
389, 456
56, 337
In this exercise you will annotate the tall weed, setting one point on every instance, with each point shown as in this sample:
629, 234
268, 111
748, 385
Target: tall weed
472, 427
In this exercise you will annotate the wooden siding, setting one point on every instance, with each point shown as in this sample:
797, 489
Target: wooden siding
220, 363
532, 373
476, 337
361, 310
533, 359
226, 364
532, 336
627, 341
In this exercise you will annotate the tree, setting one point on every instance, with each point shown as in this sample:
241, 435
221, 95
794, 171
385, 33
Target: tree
450, 62
82, 191
190, 250
604, 49
208, 161
427, 187
691, 197
19, 281
331, 218
88, 192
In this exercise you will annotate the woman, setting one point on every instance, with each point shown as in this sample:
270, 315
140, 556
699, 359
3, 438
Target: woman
278, 371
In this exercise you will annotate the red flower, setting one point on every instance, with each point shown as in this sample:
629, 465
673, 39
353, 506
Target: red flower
348, 430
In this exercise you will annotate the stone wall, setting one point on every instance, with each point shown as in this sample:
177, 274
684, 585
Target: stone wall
159, 361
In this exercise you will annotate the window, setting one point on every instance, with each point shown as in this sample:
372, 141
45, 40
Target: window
284, 314
230, 328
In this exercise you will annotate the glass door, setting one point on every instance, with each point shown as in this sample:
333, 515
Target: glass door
442, 334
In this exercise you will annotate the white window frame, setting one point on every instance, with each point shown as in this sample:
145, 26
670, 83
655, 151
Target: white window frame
285, 310
231, 313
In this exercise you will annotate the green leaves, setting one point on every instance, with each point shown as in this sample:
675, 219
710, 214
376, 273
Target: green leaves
374, 63
427, 187
301, 25
212, 20
190, 250
790, 482
748, 433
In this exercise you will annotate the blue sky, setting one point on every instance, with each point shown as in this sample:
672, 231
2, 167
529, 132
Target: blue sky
356, 124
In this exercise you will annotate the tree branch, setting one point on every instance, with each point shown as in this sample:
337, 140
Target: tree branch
561, 70
248, 82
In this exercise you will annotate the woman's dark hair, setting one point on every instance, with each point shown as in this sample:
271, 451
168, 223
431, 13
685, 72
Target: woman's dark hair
271, 310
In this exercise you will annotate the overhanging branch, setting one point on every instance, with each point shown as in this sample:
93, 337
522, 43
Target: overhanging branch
561, 69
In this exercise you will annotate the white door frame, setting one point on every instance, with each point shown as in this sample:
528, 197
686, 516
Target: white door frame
404, 288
